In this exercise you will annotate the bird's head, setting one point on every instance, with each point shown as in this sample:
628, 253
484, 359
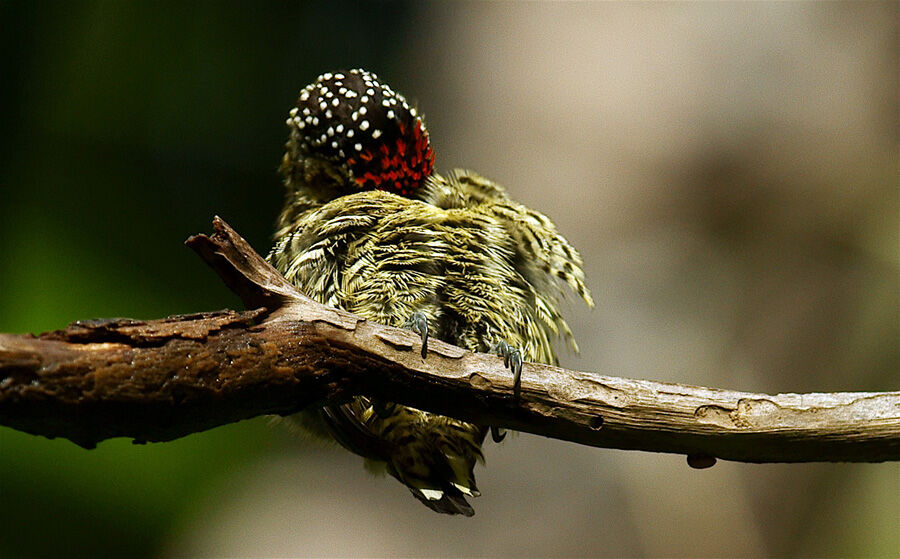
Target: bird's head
351, 132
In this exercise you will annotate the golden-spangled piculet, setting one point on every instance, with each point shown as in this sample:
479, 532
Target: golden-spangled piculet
369, 227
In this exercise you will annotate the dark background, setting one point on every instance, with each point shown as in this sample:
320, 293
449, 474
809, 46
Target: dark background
729, 172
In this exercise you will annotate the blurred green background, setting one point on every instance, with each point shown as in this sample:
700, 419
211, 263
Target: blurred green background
729, 171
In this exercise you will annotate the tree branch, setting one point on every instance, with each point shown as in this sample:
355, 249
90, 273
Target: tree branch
163, 379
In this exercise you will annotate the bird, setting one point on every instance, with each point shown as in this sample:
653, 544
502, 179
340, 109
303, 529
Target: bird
370, 227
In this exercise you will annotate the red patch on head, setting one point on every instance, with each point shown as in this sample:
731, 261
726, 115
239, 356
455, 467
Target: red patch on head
400, 168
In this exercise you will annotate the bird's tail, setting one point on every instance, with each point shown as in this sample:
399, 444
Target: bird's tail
448, 503
434, 456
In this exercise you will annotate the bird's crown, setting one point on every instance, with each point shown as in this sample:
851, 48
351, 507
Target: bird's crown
359, 124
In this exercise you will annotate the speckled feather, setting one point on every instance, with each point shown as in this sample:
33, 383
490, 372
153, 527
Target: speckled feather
391, 237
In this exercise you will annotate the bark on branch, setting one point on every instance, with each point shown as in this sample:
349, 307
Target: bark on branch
163, 379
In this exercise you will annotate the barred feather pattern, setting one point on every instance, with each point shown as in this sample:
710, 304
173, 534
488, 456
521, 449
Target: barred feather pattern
481, 267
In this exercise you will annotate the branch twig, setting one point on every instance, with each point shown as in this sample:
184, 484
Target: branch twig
163, 379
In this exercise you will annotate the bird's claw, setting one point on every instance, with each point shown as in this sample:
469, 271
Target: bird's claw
497, 434
418, 323
512, 360
383, 409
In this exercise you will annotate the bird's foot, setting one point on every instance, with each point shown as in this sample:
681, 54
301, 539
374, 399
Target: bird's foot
418, 323
512, 360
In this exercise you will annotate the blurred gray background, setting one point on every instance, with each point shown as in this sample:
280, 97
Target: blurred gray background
728, 171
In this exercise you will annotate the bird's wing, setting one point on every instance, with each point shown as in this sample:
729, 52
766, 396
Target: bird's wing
542, 257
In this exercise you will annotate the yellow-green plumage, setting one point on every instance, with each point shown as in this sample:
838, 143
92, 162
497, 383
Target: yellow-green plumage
482, 268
